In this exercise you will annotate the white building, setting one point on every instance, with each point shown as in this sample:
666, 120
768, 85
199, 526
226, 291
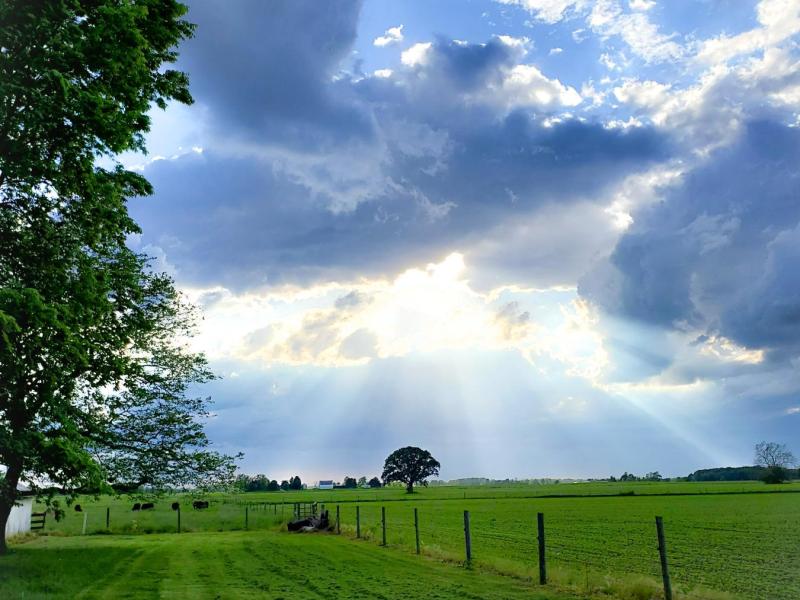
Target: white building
325, 485
19, 521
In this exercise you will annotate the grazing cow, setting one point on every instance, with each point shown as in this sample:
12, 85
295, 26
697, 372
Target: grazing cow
78, 508
137, 506
198, 504
148, 506
175, 506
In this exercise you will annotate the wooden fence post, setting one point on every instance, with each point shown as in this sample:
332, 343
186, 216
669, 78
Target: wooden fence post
338, 522
358, 521
246, 516
83, 531
416, 528
383, 524
108, 517
662, 552
542, 563
467, 537
179, 518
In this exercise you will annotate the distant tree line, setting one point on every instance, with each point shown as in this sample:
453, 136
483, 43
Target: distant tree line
350, 483
262, 483
753, 473
773, 462
652, 476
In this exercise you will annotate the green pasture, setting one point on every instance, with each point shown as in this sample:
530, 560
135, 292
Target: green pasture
743, 544
225, 565
738, 538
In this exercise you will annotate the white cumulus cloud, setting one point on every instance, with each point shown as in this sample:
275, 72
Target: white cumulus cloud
416, 55
393, 35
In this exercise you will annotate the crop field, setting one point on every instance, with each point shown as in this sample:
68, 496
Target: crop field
720, 537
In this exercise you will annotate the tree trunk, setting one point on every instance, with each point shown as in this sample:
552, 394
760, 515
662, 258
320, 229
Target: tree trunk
8, 494
410, 487
5, 511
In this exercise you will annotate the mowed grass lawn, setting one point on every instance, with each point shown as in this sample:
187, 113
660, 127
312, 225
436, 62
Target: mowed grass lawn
259, 564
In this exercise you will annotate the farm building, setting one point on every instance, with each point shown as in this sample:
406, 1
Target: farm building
19, 521
325, 485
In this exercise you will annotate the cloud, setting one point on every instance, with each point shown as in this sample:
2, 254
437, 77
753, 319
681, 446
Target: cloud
447, 139
643, 5
393, 35
513, 320
642, 36
422, 310
526, 86
360, 344
416, 54
607, 18
716, 255
711, 112
549, 11
778, 21
285, 51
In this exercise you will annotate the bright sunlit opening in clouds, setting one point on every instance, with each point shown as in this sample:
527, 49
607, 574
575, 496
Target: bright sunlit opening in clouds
424, 309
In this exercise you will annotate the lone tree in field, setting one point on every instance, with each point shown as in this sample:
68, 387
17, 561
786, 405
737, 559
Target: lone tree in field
410, 465
776, 458
93, 376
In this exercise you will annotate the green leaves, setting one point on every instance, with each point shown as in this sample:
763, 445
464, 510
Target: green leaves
410, 465
94, 389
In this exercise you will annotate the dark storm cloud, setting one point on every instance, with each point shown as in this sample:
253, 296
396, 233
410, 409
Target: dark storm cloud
306, 178
239, 223
721, 251
263, 68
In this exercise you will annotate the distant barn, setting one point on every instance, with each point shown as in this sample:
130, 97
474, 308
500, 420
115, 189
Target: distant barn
19, 521
325, 485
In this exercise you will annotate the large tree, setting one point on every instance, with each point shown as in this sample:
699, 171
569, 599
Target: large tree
773, 454
410, 465
94, 367
776, 458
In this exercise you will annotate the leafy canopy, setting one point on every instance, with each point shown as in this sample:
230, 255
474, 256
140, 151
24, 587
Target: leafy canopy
410, 465
94, 365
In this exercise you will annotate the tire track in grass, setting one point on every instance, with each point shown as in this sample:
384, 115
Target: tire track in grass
136, 577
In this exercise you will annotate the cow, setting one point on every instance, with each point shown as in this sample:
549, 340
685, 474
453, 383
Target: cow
148, 506
176, 506
137, 506
78, 508
198, 504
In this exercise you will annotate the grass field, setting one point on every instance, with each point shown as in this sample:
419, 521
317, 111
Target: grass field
726, 537
261, 564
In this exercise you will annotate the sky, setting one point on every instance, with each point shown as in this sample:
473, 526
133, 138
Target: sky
539, 238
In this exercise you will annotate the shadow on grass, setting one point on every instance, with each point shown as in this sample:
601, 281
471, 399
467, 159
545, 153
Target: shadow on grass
29, 569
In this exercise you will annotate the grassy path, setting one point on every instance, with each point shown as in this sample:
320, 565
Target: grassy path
261, 564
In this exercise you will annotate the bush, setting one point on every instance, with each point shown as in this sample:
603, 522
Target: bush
775, 475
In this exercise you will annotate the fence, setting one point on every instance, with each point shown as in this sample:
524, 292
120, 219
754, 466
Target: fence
756, 555
668, 552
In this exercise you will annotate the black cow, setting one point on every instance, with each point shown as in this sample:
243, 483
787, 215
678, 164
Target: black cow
175, 506
148, 506
137, 506
78, 508
198, 504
